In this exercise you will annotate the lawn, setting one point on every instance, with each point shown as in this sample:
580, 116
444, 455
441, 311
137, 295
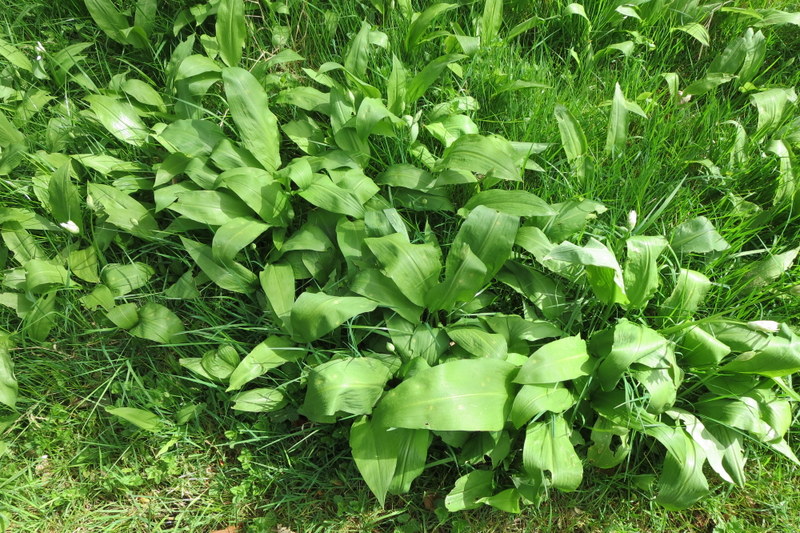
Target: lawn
345, 265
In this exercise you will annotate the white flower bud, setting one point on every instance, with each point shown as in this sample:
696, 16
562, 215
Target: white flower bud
767, 326
632, 219
390, 347
70, 226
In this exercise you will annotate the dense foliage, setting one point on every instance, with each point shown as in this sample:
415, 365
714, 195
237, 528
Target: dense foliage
410, 283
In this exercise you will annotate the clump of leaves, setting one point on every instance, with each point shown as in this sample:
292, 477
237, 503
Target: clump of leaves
431, 298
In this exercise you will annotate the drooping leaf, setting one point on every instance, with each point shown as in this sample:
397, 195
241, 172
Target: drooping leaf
372, 284
215, 208
263, 400
278, 283
533, 400
574, 142
158, 324
602, 269
235, 235
690, 290
350, 385
271, 353
230, 276
478, 342
780, 357
261, 192
697, 236
420, 83
468, 489
491, 20
375, 451
461, 395
123, 211
412, 455
490, 236
517, 203
489, 156
623, 345
641, 270
548, 447
461, 283
119, 118
314, 315
413, 267
422, 23
123, 279
65, 203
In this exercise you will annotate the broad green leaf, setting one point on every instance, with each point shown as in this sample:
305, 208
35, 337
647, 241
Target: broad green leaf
763, 272
490, 235
278, 283
234, 235
699, 348
491, 156
696, 30
119, 118
772, 107
461, 395
478, 342
709, 82
412, 454
13, 55
396, 87
158, 324
138, 417
600, 453
221, 362
420, 83
65, 203
357, 56
322, 192
123, 211
124, 316
108, 19
541, 290
124, 279
270, 353
548, 447
42, 275
781, 357
214, 208
570, 218
145, 15
533, 400
414, 268
192, 138
713, 449
230, 276
143, 93
517, 203
262, 400
314, 315
468, 490
183, 289
83, 263
350, 385
259, 190
375, 451
40, 319
372, 284
8, 383
682, 482
249, 106
755, 50
574, 142
697, 236
491, 20
559, 360
462, 283
776, 17
230, 31
641, 270
417, 341
515, 328
602, 269
624, 345
422, 23
690, 290
617, 123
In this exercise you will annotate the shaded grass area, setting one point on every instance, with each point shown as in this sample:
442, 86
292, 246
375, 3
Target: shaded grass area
68, 466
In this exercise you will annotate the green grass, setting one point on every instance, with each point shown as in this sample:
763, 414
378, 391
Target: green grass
66, 465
